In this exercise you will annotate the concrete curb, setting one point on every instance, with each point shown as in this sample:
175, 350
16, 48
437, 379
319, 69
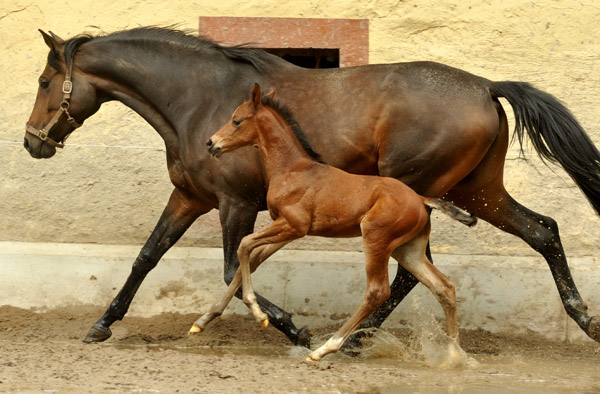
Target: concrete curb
495, 293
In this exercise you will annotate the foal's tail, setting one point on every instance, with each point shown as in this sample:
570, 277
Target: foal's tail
451, 210
555, 133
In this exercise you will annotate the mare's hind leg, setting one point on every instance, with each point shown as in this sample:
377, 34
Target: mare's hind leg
237, 221
494, 205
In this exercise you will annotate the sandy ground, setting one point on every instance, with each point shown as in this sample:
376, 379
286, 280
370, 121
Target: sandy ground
43, 352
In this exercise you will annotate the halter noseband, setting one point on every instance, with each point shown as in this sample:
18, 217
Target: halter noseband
42, 134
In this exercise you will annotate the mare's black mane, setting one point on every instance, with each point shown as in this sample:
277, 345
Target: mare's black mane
286, 113
242, 53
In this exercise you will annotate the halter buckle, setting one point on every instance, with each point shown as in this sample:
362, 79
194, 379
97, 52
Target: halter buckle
43, 134
67, 87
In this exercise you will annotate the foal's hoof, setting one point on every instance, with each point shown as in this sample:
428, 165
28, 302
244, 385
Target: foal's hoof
195, 329
265, 323
97, 333
303, 338
594, 328
311, 359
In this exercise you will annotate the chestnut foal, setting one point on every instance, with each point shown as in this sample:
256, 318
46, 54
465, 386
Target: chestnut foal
308, 197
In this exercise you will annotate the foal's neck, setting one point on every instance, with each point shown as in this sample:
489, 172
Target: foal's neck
281, 150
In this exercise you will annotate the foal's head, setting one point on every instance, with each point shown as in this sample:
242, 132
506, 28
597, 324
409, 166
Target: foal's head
241, 129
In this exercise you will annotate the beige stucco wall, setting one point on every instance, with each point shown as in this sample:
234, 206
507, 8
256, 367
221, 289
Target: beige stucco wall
114, 193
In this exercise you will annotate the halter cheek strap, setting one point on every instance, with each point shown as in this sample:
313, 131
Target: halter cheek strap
42, 134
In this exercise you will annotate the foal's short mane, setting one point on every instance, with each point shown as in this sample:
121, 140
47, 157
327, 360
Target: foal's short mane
286, 113
258, 58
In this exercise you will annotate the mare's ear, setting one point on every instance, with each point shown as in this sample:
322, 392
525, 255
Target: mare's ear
255, 96
271, 94
56, 38
51, 41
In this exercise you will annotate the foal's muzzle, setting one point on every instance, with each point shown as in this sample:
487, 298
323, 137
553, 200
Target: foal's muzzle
212, 149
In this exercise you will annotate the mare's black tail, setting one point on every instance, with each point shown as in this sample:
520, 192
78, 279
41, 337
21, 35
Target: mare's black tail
555, 133
451, 210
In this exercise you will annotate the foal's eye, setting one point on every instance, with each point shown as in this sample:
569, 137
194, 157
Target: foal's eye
236, 122
44, 83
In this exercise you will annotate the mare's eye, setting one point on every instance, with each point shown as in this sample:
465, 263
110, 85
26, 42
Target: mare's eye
44, 83
236, 122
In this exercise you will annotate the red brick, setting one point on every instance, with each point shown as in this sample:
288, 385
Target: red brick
350, 36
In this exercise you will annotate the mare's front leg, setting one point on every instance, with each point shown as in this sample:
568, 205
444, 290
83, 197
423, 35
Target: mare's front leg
237, 221
181, 211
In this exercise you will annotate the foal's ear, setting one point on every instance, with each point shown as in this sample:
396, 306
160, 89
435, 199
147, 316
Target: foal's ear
51, 41
271, 94
255, 96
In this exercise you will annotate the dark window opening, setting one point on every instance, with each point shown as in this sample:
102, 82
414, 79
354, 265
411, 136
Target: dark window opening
309, 57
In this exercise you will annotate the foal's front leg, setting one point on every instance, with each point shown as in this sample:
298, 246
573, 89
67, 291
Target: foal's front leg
250, 258
256, 248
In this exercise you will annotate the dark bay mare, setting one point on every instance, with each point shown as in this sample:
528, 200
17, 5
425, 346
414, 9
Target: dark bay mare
440, 130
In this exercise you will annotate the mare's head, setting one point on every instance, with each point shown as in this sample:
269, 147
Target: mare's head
64, 99
241, 130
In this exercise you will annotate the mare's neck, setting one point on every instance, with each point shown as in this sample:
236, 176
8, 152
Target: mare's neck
173, 90
281, 150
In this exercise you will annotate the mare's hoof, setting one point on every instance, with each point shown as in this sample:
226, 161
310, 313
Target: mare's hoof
594, 328
303, 338
97, 333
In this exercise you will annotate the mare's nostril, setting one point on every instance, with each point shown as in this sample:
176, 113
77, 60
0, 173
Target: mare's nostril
26, 144
209, 143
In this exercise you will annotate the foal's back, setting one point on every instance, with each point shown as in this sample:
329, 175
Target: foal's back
335, 202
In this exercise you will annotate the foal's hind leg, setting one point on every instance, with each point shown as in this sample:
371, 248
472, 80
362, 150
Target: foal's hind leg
378, 290
402, 284
412, 257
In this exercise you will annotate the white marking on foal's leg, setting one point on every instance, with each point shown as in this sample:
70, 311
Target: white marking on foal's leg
258, 314
217, 309
331, 346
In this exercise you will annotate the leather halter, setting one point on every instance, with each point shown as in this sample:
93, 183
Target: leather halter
42, 134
